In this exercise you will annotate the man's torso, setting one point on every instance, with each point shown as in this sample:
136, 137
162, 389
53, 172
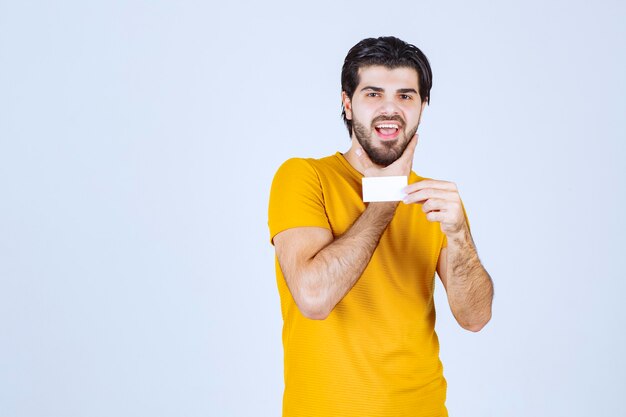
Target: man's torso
377, 353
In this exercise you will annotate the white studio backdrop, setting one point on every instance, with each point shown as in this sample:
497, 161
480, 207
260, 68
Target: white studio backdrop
138, 141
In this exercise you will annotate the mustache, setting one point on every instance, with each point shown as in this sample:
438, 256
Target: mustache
395, 118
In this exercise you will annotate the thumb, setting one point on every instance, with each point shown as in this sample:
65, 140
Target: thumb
410, 148
406, 159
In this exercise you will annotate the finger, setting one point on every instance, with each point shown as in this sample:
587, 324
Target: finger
409, 151
407, 155
430, 183
435, 204
421, 196
435, 216
405, 162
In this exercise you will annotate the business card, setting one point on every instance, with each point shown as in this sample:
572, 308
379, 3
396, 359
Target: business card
384, 188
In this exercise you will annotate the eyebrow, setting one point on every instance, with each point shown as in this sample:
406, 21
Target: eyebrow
380, 90
369, 87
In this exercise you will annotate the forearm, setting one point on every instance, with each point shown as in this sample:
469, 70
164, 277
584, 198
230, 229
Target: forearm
469, 286
333, 271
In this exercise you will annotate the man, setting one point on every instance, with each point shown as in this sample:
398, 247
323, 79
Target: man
356, 279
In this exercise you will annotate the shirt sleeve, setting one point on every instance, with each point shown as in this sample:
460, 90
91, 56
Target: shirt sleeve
444, 244
296, 198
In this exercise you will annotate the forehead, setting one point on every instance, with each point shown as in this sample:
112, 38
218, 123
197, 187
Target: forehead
396, 78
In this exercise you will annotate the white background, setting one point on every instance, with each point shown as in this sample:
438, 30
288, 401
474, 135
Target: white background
138, 141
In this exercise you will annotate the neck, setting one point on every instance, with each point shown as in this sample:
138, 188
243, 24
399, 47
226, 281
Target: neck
352, 157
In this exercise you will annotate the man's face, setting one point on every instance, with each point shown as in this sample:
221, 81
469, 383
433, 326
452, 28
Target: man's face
385, 111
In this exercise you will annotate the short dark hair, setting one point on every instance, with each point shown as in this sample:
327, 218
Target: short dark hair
387, 51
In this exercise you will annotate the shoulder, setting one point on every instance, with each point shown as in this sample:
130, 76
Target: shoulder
295, 168
305, 164
296, 197
294, 172
295, 165
300, 175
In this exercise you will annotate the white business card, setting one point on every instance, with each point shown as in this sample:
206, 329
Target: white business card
384, 188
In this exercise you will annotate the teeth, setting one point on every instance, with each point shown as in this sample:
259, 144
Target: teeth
387, 126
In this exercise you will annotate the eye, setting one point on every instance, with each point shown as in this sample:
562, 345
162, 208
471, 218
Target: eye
406, 97
373, 94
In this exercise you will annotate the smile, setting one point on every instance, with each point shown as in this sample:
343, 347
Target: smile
387, 131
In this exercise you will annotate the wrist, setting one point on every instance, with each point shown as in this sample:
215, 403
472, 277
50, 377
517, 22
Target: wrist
381, 210
383, 206
461, 236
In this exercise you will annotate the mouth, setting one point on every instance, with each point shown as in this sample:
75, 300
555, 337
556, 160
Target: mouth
387, 130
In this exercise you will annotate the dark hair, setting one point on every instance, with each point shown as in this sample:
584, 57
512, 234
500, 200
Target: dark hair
387, 51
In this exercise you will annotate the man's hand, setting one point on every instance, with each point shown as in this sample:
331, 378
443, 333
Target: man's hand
440, 201
401, 166
467, 283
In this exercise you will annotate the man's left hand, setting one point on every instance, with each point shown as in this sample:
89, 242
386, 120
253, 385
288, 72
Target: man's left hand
440, 201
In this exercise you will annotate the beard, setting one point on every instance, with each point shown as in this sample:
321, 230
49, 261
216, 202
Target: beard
389, 150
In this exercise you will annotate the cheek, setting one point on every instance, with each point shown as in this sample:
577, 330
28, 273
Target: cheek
412, 118
365, 115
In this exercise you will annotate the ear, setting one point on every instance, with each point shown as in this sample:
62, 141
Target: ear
347, 105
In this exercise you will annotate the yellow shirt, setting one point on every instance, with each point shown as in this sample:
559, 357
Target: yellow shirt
377, 353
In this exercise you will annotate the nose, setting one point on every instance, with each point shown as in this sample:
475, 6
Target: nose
389, 107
